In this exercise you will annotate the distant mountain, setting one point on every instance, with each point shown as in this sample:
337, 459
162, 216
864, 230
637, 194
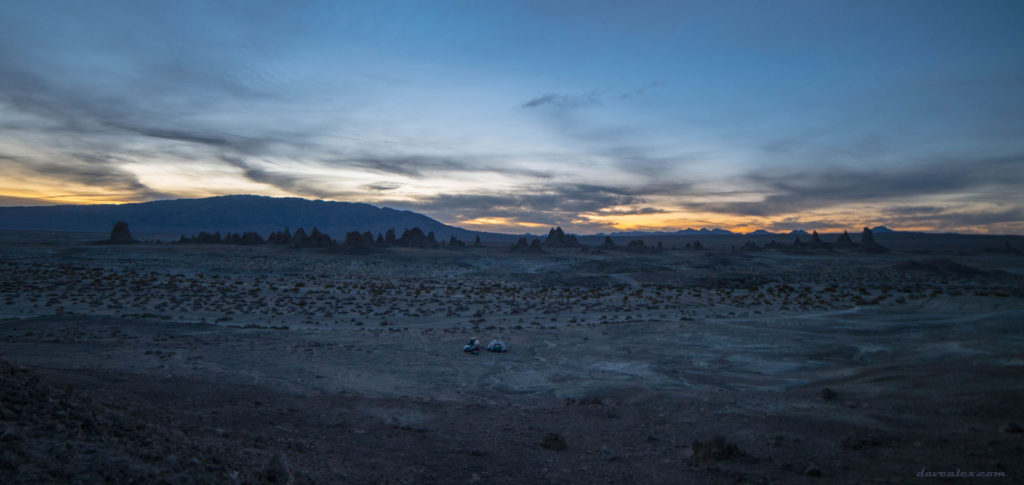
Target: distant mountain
762, 232
704, 230
801, 232
231, 213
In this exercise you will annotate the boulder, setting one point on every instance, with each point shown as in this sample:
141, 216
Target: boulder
715, 449
554, 441
277, 471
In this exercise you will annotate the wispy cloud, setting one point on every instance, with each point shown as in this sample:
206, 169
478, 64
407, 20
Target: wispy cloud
640, 90
381, 186
631, 212
786, 193
565, 101
552, 204
87, 169
294, 183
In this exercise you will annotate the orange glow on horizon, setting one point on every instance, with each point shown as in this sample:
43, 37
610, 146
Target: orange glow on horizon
73, 198
585, 223
499, 222
670, 221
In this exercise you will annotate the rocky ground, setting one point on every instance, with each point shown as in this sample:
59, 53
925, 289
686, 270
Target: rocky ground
260, 364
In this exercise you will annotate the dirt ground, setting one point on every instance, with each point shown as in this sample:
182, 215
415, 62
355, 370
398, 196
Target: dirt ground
221, 364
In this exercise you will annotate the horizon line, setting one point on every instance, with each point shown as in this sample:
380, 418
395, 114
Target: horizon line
660, 232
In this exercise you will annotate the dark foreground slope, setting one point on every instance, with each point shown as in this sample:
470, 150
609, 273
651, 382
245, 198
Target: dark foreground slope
233, 213
215, 364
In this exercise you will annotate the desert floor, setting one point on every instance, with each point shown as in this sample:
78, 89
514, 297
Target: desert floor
220, 364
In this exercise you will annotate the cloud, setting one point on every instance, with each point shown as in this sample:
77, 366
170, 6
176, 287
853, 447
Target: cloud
298, 185
791, 192
7, 201
549, 204
76, 119
179, 135
640, 90
565, 101
954, 218
419, 166
640, 161
87, 169
407, 165
632, 212
381, 186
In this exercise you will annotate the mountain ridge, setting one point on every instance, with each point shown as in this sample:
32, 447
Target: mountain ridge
227, 213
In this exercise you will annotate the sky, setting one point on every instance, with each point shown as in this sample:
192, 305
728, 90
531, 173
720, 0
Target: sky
519, 116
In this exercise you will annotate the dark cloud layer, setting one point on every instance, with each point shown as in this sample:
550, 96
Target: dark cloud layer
935, 218
952, 219
807, 190
633, 212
